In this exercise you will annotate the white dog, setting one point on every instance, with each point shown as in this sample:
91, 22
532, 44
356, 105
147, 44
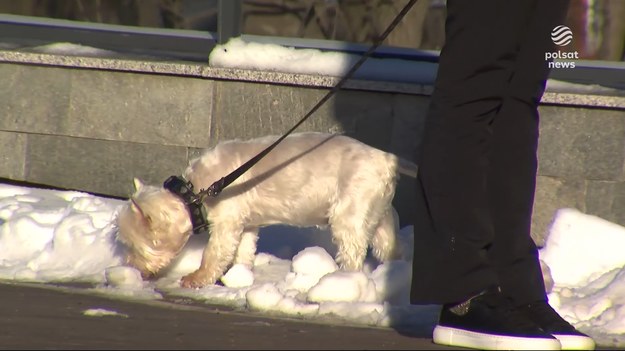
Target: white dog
309, 179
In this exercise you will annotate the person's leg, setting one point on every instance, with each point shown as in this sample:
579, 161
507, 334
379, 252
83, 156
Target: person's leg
513, 160
453, 224
512, 183
511, 186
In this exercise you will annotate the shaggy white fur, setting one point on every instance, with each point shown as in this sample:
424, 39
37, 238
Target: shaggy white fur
309, 179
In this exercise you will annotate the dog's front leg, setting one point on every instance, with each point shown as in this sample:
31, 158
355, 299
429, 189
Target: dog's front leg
218, 255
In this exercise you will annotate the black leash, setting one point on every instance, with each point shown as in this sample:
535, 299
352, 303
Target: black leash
219, 185
176, 184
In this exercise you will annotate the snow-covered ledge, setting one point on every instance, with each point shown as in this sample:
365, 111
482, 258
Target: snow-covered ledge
190, 69
301, 67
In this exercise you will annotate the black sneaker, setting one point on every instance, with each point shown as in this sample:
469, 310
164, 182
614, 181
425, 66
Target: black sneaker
548, 319
489, 322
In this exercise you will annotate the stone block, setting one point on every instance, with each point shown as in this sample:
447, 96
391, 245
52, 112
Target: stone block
136, 107
365, 116
606, 199
249, 110
98, 166
582, 143
143, 108
33, 99
552, 194
409, 113
12, 157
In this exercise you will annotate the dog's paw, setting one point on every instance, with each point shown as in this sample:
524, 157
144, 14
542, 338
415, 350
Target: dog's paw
195, 280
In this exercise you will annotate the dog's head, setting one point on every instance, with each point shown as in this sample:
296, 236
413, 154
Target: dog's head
154, 226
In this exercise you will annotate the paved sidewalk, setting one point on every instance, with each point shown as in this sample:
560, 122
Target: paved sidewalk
46, 317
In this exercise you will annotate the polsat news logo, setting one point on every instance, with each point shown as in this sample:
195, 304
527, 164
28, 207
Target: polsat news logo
561, 36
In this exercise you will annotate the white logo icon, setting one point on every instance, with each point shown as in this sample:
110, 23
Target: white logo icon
562, 35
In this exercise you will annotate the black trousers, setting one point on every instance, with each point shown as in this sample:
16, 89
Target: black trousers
478, 160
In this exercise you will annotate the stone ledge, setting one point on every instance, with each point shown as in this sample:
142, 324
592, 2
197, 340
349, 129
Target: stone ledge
155, 66
605, 101
190, 69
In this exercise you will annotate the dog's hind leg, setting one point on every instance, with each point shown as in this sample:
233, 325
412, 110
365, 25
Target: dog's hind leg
351, 243
352, 229
362, 204
247, 247
383, 242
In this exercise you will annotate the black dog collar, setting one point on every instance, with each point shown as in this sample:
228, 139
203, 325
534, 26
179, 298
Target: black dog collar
184, 190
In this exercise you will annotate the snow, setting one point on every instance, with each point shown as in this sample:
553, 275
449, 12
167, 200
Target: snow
238, 53
101, 312
55, 237
585, 256
73, 50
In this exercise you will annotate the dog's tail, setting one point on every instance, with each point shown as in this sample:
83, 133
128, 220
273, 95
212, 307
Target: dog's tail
406, 167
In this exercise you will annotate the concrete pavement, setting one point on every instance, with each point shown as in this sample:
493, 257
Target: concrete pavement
34, 316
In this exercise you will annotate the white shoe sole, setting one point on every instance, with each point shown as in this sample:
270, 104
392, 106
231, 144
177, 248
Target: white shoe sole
575, 342
464, 338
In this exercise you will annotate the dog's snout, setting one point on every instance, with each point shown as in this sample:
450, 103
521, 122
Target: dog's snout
148, 275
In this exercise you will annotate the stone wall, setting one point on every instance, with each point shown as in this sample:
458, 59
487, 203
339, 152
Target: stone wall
581, 163
92, 124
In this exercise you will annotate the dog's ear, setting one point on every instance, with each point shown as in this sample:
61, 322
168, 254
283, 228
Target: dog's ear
138, 184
